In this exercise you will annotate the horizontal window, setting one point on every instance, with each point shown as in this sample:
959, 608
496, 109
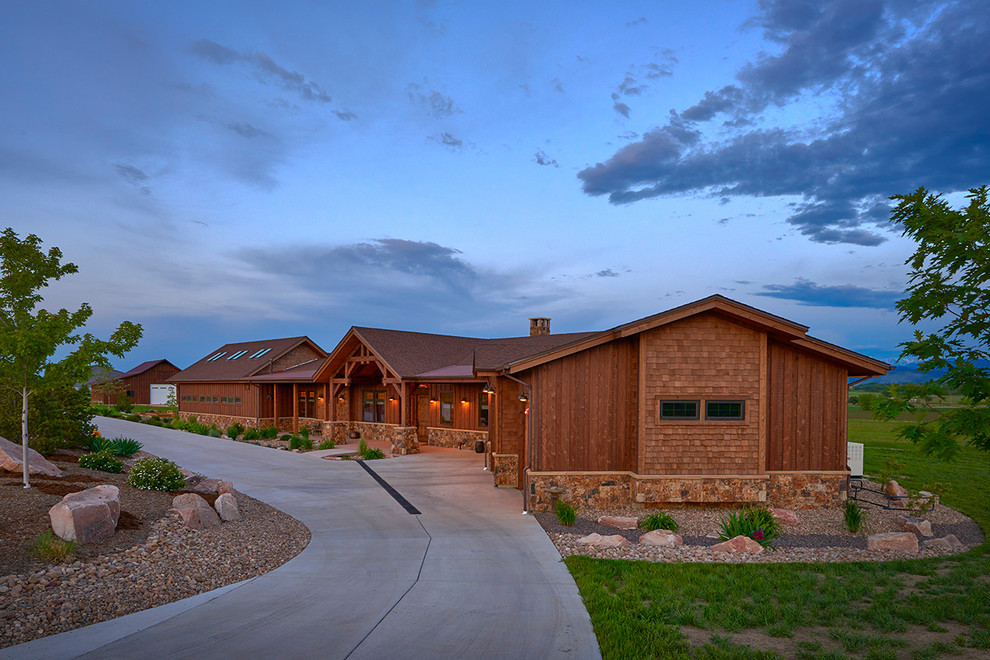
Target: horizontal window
679, 409
725, 410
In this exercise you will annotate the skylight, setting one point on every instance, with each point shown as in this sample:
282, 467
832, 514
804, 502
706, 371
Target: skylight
237, 355
258, 354
217, 356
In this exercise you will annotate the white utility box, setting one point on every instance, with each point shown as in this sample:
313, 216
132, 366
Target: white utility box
854, 458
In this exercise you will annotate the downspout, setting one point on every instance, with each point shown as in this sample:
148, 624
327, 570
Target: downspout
529, 441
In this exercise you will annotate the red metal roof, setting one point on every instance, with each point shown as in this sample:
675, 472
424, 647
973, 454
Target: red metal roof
218, 366
144, 366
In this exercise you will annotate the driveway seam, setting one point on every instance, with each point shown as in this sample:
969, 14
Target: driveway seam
419, 574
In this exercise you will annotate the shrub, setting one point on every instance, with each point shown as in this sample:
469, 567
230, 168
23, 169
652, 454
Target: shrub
99, 443
155, 474
269, 432
285, 437
154, 421
251, 434
362, 447
326, 444
133, 418
104, 461
191, 419
660, 520
565, 512
373, 454
214, 433
757, 523
123, 403
853, 516
234, 430
304, 432
125, 446
49, 547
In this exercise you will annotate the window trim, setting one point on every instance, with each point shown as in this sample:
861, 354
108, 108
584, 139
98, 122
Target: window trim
483, 407
449, 420
723, 418
679, 418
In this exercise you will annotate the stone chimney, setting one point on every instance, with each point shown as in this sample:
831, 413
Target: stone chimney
539, 326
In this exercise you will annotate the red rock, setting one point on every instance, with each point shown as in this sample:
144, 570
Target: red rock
740, 543
894, 489
917, 526
619, 522
203, 518
89, 516
954, 542
214, 486
900, 541
226, 506
10, 460
786, 517
661, 537
599, 541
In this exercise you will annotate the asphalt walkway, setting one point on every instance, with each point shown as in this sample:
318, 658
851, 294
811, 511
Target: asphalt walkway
466, 577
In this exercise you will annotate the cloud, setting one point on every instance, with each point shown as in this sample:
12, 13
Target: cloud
608, 272
130, 173
433, 102
810, 294
903, 86
621, 108
246, 130
542, 159
639, 21
263, 68
448, 140
345, 116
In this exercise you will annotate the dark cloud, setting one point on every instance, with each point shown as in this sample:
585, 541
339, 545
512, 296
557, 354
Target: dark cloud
621, 108
345, 116
246, 130
908, 85
557, 85
608, 272
542, 159
813, 295
130, 173
448, 140
433, 102
263, 68
654, 70
639, 21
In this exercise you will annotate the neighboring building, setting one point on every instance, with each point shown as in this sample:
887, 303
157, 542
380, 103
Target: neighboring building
143, 385
256, 383
714, 401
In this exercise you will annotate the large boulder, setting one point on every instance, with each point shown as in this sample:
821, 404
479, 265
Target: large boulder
89, 516
899, 541
226, 506
599, 541
196, 512
918, 526
618, 522
741, 544
213, 486
895, 490
661, 537
10, 460
786, 517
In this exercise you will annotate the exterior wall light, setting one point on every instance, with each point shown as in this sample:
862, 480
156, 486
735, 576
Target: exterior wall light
523, 398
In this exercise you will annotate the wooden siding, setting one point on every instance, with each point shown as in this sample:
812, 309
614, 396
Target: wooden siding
807, 411
700, 358
248, 394
140, 385
584, 409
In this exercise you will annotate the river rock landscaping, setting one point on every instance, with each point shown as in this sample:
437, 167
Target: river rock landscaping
152, 559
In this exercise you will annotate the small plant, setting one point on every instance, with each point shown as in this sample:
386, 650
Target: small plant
758, 523
214, 433
853, 516
295, 442
124, 446
251, 434
104, 461
285, 437
373, 454
326, 444
269, 432
234, 430
565, 512
99, 443
49, 547
304, 432
133, 418
660, 520
155, 474
890, 470
362, 447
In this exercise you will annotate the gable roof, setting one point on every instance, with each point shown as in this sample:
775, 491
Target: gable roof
145, 366
102, 376
777, 327
242, 360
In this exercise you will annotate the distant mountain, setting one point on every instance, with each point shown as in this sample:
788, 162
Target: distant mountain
908, 373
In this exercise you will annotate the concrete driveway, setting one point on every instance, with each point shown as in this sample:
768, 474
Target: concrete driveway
468, 577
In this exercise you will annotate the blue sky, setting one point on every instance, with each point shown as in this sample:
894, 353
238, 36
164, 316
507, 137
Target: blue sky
233, 171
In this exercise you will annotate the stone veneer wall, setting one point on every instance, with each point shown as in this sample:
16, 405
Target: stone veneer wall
611, 490
223, 421
455, 438
402, 438
505, 469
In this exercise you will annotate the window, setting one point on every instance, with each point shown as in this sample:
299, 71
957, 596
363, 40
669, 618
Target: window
202, 399
374, 406
724, 410
482, 409
217, 356
672, 410
130, 393
446, 407
236, 355
307, 403
237, 400
258, 354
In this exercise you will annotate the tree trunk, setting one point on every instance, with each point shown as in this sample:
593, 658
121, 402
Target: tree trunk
24, 436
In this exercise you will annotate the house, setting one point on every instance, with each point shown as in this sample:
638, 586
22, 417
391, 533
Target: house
145, 384
710, 402
256, 383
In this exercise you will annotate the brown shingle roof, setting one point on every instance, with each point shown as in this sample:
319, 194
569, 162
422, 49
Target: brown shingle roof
244, 366
144, 366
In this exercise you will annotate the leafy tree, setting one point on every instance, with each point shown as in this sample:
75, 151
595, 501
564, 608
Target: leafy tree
950, 273
31, 336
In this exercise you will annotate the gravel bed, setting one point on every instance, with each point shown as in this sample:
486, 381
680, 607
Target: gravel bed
821, 537
156, 563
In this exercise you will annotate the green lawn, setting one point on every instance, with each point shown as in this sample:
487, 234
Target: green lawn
906, 609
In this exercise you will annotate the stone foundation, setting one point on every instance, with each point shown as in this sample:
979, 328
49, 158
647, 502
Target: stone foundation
404, 440
223, 421
455, 438
624, 490
401, 438
505, 469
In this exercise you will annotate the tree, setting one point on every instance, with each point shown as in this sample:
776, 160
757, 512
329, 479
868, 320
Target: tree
950, 273
31, 336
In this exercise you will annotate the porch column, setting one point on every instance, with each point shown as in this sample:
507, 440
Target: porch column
295, 407
275, 410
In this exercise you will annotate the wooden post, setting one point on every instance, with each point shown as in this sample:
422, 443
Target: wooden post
295, 407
